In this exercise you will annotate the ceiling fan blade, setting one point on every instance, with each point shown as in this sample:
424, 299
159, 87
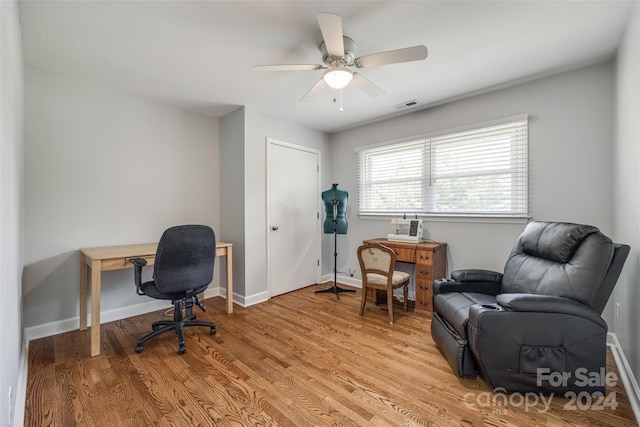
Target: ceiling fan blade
407, 54
331, 28
315, 89
288, 67
367, 86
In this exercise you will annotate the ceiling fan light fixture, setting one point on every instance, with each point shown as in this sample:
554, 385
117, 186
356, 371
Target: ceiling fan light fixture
337, 77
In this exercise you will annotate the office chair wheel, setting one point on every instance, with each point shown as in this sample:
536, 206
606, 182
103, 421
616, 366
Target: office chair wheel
139, 348
182, 350
212, 331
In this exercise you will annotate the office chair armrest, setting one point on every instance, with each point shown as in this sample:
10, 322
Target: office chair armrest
138, 263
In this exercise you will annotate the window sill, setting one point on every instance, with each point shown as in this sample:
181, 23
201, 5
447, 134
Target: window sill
492, 219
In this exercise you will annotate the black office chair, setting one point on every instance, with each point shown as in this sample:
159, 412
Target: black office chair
183, 268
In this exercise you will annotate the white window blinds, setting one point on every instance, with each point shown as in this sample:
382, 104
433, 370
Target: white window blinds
475, 172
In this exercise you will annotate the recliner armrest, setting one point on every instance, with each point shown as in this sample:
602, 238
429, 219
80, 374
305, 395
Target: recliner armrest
470, 280
548, 304
443, 286
476, 275
513, 338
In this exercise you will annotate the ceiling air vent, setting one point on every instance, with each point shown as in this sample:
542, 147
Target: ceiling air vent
407, 104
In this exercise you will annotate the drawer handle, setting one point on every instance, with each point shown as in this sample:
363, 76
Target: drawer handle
424, 272
426, 288
424, 257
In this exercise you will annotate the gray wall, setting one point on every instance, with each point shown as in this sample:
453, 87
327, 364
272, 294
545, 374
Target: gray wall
103, 168
11, 207
98, 174
626, 185
251, 186
233, 205
570, 157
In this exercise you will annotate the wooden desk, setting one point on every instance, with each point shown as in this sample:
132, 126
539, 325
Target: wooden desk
430, 259
115, 258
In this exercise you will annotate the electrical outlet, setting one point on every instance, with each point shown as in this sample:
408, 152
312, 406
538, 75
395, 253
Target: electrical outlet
617, 312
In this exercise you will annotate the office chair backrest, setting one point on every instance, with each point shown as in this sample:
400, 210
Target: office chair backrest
185, 258
562, 259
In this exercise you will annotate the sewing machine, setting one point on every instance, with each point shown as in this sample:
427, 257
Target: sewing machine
407, 230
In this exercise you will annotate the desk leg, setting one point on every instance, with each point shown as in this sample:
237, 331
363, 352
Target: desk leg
83, 293
229, 281
96, 269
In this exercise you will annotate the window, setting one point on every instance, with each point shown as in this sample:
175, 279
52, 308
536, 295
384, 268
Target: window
475, 172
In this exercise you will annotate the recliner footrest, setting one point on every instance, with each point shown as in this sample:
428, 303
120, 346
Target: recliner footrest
454, 347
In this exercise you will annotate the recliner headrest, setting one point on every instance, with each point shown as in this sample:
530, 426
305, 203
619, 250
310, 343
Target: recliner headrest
554, 241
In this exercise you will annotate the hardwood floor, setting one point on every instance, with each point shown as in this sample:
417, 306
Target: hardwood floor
300, 359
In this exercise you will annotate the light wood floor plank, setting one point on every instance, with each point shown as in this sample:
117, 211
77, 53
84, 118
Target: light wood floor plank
299, 359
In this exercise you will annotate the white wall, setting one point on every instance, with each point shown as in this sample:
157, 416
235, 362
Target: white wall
626, 193
103, 168
11, 209
570, 158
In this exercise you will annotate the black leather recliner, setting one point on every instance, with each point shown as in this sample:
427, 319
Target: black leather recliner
537, 326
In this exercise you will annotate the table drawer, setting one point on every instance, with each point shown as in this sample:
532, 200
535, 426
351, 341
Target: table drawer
120, 263
423, 305
404, 255
424, 295
114, 264
424, 257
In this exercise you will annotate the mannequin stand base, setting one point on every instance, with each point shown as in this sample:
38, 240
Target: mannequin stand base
335, 289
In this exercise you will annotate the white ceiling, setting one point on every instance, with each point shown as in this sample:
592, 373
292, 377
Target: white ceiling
199, 55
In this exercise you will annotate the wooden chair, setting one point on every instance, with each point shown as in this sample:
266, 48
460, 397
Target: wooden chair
377, 265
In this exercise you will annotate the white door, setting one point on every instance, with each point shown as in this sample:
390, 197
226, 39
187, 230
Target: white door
294, 217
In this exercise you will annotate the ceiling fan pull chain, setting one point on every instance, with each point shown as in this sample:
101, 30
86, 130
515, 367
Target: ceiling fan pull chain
341, 110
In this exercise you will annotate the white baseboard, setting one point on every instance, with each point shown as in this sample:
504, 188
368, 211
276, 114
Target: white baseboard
72, 324
21, 386
626, 375
254, 299
347, 280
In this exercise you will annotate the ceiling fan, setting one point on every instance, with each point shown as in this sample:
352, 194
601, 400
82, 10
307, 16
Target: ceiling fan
338, 53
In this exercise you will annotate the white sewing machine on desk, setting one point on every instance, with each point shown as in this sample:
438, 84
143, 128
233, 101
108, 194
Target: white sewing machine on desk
407, 230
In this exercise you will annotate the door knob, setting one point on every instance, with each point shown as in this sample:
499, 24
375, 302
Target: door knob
274, 227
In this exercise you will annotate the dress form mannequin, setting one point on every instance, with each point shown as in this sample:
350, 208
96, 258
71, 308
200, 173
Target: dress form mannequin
335, 202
